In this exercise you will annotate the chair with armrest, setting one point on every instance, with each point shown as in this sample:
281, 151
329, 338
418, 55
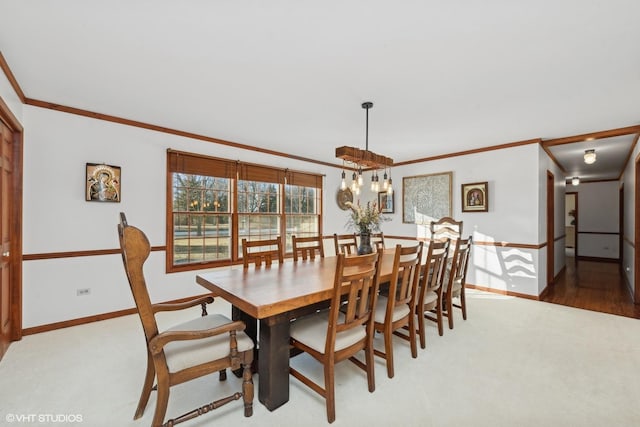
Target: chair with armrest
445, 228
396, 309
455, 279
206, 344
331, 336
262, 251
307, 247
345, 244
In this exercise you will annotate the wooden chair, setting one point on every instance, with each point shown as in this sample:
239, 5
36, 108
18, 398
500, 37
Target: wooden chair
346, 244
430, 294
307, 247
262, 251
345, 329
456, 278
396, 309
377, 240
445, 228
186, 351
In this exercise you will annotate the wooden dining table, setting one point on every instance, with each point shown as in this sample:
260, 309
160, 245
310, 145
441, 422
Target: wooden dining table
275, 295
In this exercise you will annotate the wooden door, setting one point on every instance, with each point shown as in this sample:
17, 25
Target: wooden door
6, 178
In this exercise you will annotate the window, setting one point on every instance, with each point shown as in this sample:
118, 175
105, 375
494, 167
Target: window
215, 203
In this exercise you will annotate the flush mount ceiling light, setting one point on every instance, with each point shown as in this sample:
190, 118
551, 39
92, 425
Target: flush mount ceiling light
359, 159
575, 180
590, 156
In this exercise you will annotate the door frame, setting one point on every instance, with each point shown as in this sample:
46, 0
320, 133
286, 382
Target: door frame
15, 305
550, 228
636, 238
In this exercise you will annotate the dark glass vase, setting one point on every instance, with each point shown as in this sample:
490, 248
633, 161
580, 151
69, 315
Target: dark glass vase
365, 243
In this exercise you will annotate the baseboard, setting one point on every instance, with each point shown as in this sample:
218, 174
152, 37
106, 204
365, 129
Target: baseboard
597, 259
502, 292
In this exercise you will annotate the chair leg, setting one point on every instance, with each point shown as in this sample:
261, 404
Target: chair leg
421, 332
369, 359
247, 389
163, 400
222, 374
329, 392
450, 310
463, 303
146, 387
412, 335
388, 348
439, 318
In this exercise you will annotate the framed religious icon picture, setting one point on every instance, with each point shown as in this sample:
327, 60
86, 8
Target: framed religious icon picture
385, 201
102, 183
475, 197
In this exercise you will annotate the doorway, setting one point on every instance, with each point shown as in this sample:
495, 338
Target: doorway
571, 224
10, 228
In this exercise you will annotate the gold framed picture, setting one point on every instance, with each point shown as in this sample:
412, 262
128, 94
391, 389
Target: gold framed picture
385, 202
475, 197
102, 183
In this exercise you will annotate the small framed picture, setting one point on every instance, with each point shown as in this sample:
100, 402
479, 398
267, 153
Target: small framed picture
475, 197
102, 183
385, 201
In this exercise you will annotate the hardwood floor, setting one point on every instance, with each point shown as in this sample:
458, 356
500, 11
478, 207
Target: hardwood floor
593, 285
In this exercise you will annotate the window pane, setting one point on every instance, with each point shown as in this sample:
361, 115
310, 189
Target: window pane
199, 233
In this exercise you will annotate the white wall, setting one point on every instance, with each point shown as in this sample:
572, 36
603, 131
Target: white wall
598, 214
58, 219
9, 97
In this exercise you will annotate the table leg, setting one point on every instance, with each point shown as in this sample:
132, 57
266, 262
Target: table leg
273, 363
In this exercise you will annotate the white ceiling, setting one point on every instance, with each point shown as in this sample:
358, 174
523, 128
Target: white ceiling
444, 76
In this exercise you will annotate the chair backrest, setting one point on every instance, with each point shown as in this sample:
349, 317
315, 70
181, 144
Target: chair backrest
445, 228
307, 247
361, 275
345, 244
405, 277
135, 249
434, 268
377, 240
460, 261
262, 251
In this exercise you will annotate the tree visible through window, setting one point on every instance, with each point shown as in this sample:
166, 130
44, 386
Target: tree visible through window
215, 203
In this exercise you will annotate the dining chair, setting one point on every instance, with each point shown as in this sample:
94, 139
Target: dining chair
445, 228
377, 240
206, 344
262, 251
307, 247
430, 293
345, 243
455, 279
340, 333
395, 309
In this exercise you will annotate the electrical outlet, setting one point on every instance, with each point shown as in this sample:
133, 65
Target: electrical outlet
83, 292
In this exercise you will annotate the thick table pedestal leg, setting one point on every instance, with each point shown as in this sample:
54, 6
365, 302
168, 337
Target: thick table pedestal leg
273, 362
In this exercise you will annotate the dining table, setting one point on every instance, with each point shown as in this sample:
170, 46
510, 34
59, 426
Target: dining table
274, 296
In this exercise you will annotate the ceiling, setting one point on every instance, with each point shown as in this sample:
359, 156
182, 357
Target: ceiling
290, 76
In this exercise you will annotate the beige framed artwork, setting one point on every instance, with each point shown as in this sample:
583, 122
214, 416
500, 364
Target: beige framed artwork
426, 198
102, 183
475, 197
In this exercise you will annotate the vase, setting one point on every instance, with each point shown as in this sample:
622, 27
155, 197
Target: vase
365, 243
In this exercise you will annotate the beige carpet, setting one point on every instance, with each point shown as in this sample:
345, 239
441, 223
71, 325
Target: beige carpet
514, 362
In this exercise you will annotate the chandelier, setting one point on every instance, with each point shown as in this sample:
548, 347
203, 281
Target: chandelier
358, 160
589, 156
